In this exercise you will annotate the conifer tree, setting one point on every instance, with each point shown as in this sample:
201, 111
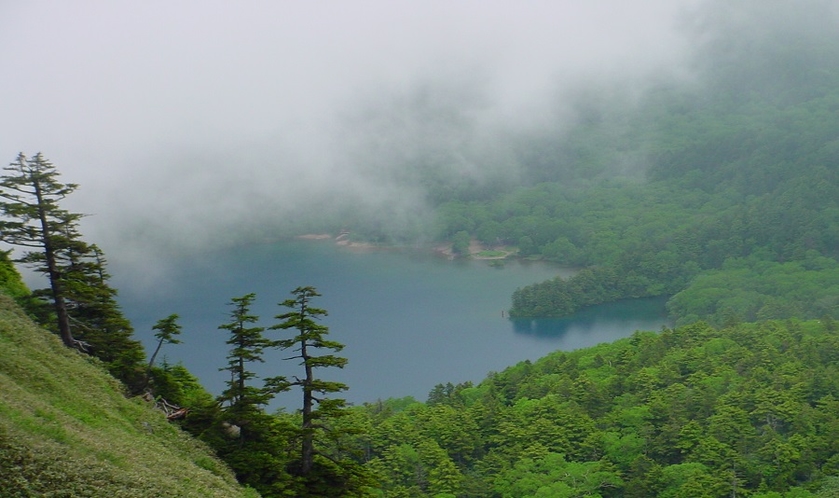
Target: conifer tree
167, 328
253, 443
247, 344
310, 338
29, 200
96, 315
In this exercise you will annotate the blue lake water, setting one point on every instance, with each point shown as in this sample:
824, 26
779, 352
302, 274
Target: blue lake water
409, 319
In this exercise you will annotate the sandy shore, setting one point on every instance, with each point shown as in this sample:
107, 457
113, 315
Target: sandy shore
314, 236
445, 250
342, 240
475, 250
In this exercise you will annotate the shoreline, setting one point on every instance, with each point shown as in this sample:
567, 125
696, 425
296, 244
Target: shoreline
441, 249
341, 239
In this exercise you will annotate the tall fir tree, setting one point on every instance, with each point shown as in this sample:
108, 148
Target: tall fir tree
253, 443
31, 193
309, 338
247, 345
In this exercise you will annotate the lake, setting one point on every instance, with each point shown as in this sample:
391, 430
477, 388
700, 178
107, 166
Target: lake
409, 319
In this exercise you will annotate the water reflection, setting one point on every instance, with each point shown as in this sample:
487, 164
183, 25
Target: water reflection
602, 321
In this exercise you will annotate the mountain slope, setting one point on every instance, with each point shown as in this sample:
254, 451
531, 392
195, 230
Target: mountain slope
67, 430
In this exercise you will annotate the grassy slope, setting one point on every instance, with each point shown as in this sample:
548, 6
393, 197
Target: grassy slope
67, 430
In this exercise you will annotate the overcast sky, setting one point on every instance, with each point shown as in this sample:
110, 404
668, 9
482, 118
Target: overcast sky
182, 119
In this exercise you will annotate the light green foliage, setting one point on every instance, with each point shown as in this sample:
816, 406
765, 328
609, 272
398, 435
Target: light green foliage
10, 281
422, 469
755, 289
692, 411
688, 480
738, 217
460, 243
552, 476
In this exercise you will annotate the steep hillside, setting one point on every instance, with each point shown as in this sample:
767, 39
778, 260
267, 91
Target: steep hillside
67, 430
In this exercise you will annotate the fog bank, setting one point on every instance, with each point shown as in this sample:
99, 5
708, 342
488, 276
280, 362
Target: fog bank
198, 124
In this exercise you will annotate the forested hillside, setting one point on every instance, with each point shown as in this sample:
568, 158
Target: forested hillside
738, 169
721, 194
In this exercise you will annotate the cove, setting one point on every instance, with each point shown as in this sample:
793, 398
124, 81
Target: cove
409, 319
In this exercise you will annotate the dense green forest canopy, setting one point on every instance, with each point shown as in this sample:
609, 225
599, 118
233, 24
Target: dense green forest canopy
747, 410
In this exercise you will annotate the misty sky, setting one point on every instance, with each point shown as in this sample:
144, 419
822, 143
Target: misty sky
183, 121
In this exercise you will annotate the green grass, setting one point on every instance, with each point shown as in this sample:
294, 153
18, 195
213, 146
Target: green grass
492, 254
66, 428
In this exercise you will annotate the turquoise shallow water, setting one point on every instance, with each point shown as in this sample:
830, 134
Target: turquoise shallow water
409, 319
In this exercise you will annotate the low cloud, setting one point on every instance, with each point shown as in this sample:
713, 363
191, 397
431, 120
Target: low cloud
197, 124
